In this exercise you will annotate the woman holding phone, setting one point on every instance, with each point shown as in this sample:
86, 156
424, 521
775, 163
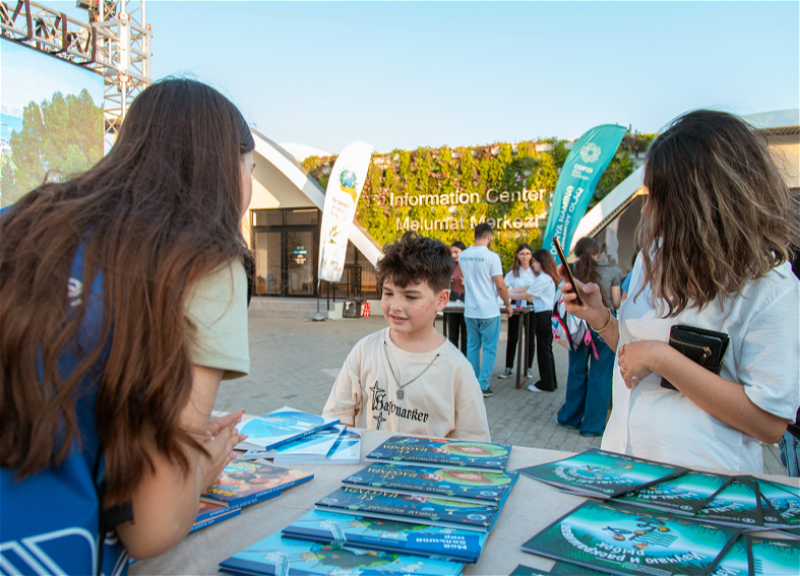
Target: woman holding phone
715, 231
123, 304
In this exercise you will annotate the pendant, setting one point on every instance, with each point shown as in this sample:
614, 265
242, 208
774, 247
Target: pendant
400, 394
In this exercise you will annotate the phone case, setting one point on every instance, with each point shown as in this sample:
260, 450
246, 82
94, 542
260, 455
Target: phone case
706, 347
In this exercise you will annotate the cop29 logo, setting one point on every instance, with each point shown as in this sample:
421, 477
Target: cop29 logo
590, 152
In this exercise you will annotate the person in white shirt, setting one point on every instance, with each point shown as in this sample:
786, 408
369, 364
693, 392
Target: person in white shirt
542, 294
518, 280
483, 279
408, 378
717, 229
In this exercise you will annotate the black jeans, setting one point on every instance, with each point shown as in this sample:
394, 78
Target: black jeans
544, 351
456, 325
513, 338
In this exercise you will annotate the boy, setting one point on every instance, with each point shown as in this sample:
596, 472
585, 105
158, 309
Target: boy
409, 378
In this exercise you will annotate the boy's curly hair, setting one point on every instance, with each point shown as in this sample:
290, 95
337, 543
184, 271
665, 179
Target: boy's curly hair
414, 259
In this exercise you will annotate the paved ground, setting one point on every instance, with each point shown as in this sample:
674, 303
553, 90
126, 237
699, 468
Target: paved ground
294, 363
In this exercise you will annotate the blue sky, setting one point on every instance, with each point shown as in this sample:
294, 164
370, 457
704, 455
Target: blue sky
408, 74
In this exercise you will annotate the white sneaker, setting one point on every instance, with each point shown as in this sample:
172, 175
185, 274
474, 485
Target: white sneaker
533, 388
505, 373
530, 372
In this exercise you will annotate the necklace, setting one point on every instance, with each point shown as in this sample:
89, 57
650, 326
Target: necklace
400, 393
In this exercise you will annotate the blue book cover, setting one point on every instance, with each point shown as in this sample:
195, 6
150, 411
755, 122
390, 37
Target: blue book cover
347, 449
244, 483
210, 509
735, 562
443, 453
738, 504
228, 513
772, 557
686, 494
410, 508
781, 507
277, 556
625, 540
602, 474
389, 535
281, 427
312, 448
450, 483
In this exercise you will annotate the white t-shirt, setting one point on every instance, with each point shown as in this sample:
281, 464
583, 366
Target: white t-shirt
525, 278
445, 402
763, 356
543, 291
479, 264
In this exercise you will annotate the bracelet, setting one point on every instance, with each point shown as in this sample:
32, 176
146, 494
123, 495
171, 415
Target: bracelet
604, 328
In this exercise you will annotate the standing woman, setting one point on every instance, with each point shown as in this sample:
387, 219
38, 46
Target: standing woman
456, 325
541, 294
591, 365
122, 306
518, 279
716, 233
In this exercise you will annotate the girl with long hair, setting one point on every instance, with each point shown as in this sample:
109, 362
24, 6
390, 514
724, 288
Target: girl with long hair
122, 307
541, 294
591, 364
716, 234
518, 279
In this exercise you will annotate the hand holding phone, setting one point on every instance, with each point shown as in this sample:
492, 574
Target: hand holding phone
557, 244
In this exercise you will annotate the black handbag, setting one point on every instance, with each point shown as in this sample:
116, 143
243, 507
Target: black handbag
705, 347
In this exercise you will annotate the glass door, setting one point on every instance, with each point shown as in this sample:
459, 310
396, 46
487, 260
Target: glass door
268, 263
300, 251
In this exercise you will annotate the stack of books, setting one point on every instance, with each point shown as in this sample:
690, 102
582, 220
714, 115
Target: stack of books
665, 519
423, 506
335, 445
281, 427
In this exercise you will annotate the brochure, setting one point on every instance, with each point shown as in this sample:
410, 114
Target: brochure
443, 453
738, 504
525, 571
277, 556
451, 483
244, 483
625, 540
772, 557
782, 507
347, 449
410, 508
734, 563
311, 449
389, 535
281, 427
686, 494
602, 474
569, 569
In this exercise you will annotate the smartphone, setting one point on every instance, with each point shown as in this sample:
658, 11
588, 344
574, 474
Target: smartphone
560, 251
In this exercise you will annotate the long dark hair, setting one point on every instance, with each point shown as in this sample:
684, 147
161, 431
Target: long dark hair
586, 266
720, 214
159, 212
516, 266
547, 262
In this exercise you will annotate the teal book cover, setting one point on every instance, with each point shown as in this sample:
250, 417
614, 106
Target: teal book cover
624, 540
782, 508
735, 562
772, 557
281, 427
738, 504
686, 494
602, 474
410, 508
277, 556
569, 569
389, 535
451, 483
443, 453
525, 571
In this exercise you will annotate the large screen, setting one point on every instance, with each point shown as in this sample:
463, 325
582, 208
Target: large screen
52, 119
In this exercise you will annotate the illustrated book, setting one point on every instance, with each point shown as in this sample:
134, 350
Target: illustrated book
738, 504
244, 483
443, 453
281, 427
686, 494
773, 557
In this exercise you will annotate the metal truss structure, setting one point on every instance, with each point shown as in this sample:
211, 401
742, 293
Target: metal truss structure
114, 42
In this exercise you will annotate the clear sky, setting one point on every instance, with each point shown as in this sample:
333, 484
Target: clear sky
408, 74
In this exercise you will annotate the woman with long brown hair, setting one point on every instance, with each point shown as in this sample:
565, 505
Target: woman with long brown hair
122, 307
518, 279
715, 234
591, 365
541, 294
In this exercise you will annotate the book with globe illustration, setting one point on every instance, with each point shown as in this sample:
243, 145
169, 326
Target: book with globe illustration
389, 535
311, 449
738, 504
686, 494
602, 474
244, 483
451, 483
734, 562
780, 504
625, 540
773, 557
417, 508
443, 453
279, 556
281, 427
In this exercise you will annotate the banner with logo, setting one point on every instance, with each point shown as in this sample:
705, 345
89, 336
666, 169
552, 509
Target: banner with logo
580, 174
341, 198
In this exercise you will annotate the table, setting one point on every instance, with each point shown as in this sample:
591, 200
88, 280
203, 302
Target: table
531, 507
522, 375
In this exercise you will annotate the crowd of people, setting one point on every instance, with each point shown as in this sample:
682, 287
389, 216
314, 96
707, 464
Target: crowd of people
123, 305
